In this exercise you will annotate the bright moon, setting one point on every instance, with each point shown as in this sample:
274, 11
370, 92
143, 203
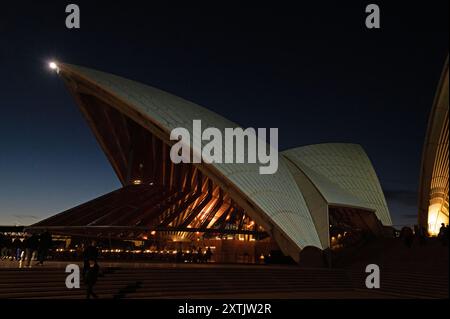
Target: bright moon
53, 65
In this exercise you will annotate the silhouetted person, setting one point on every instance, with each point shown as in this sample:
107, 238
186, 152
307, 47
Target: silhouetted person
3, 246
45, 242
423, 235
199, 255
90, 253
443, 234
208, 254
6, 250
31, 248
90, 278
408, 236
16, 248
25, 247
441, 230
179, 258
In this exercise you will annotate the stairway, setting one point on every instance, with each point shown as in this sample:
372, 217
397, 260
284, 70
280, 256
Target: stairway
417, 272
50, 283
192, 282
226, 282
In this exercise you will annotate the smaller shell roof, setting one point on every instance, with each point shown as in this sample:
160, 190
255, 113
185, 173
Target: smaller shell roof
346, 166
332, 192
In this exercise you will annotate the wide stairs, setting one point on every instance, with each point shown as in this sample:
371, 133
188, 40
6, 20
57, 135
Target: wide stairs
420, 271
417, 272
178, 282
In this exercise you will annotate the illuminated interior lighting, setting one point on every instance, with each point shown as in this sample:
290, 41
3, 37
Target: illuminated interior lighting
435, 218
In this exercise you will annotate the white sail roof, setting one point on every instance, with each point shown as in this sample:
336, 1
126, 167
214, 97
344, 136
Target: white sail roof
343, 174
277, 195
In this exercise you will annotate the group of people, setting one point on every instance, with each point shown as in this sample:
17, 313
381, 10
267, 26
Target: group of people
421, 234
31, 247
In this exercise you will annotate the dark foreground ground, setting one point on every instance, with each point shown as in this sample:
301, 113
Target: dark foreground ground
417, 272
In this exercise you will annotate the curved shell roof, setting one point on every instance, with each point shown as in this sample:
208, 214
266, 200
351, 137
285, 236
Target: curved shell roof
343, 174
277, 195
433, 186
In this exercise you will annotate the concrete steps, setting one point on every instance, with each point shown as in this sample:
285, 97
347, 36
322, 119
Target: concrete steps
420, 271
174, 283
182, 283
417, 272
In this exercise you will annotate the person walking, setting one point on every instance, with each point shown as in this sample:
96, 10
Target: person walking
90, 253
199, 255
90, 278
3, 246
6, 249
208, 254
25, 252
31, 248
408, 236
45, 242
17, 249
441, 236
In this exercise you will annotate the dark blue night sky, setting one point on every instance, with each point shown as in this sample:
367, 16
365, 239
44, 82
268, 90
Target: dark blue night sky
313, 71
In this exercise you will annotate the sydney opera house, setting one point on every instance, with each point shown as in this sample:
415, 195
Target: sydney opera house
318, 195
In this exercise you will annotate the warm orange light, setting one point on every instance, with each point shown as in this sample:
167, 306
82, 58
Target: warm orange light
435, 218
153, 233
